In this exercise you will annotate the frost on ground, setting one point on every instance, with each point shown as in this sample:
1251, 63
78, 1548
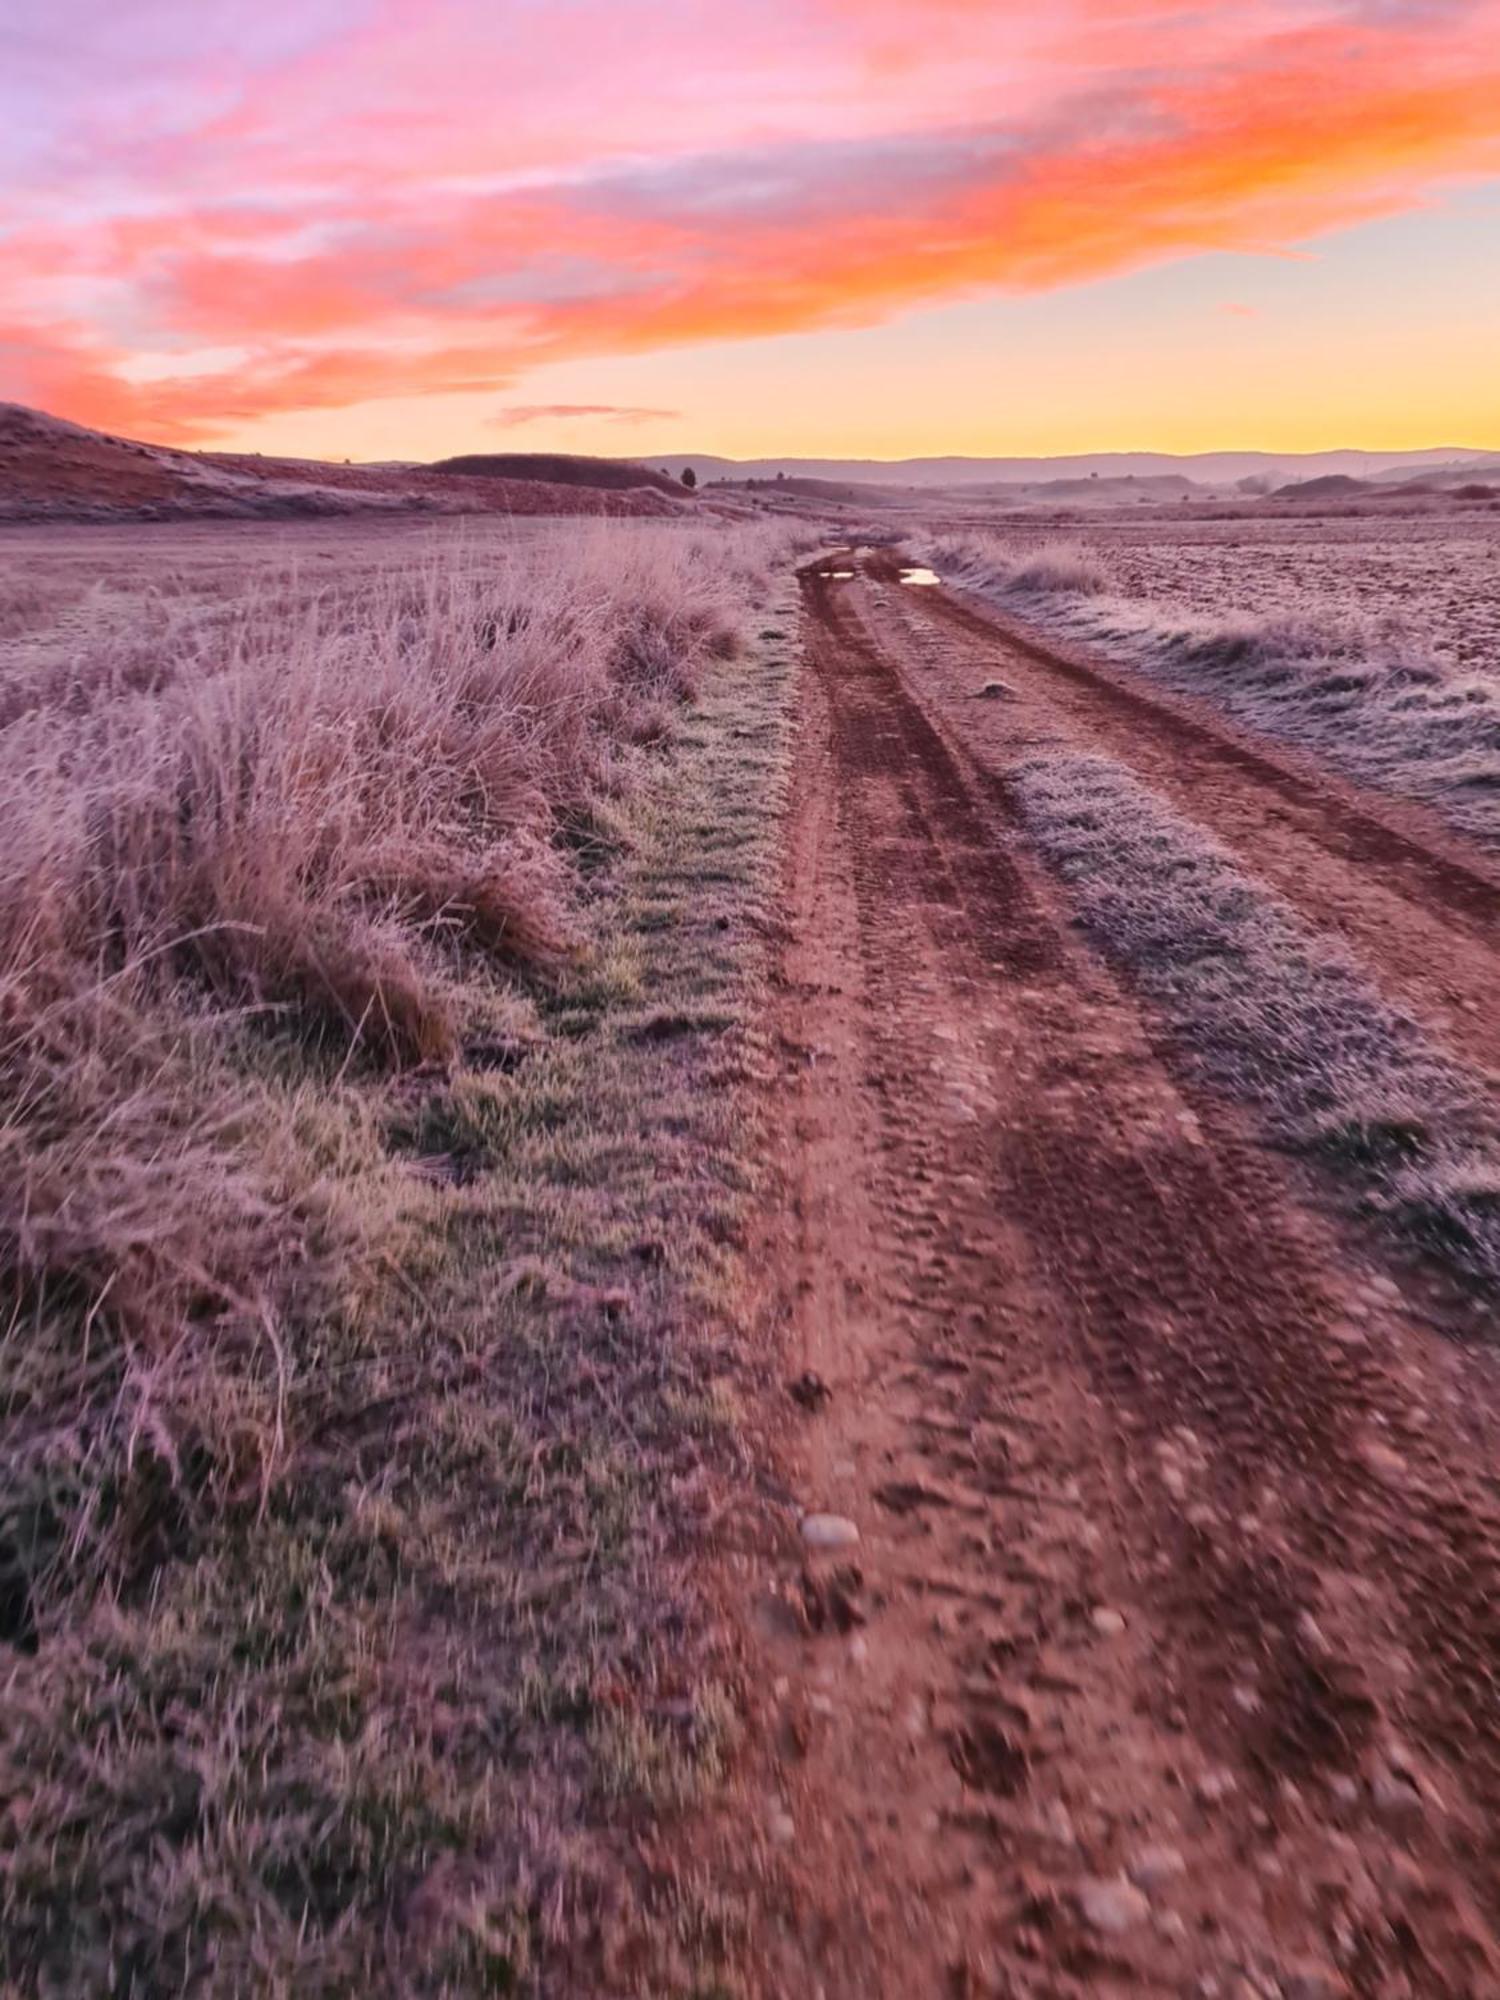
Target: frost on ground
1375, 648
365, 988
1271, 1012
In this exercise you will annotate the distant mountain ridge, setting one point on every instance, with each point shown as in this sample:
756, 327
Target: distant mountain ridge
1204, 469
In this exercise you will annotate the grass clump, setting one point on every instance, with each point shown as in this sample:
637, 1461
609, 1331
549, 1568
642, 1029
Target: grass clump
1057, 568
1271, 1012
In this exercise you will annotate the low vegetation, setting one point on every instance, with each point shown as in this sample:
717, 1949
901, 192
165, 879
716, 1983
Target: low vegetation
1274, 1014
1366, 692
361, 989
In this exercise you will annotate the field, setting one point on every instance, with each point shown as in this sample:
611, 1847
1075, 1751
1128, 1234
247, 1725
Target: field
1369, 643
368, 1004
731, 1269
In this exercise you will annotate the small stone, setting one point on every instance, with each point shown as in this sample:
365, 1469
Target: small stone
781, 1827
1308, 1981
1395, 1794
994, 691
1215, 1785
1344, 1788
1111, 1623
1383, 1462
1112, 1906
1311, 1633
829, 1531
1155, 1865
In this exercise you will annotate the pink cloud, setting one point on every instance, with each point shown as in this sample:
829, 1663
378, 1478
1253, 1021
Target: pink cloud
375, 198
612, 413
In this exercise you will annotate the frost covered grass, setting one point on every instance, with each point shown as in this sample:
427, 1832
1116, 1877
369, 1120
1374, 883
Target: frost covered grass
325, 1440
1366, 689
1274, 1014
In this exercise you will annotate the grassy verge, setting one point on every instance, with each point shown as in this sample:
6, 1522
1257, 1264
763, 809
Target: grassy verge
1272, 1013
373, 1675
1368, 694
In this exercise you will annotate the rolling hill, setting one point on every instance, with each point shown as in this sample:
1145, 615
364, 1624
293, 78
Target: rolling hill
53, 470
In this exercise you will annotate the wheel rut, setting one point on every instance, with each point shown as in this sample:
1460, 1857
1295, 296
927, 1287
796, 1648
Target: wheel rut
1168, 1652
1385, 876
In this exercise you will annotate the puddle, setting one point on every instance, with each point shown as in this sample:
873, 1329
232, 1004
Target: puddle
924, 577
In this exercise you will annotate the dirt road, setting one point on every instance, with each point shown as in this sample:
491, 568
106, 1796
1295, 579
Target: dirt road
1168, 1659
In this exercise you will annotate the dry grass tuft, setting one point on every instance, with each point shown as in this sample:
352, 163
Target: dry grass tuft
1273, 1013
1056, 568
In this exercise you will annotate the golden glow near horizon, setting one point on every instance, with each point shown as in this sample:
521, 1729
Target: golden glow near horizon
369, 228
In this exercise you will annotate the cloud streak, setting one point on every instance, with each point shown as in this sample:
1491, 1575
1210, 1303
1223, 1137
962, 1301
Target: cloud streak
520, 414
392, 201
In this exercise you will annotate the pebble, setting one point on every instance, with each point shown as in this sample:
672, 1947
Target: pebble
1155, 1865
1383, 1462
1110, 1623
782, 1827
1213, 1786
1394, 1794
1112, 1906
829, 1531
1311, 1633
1311, 1982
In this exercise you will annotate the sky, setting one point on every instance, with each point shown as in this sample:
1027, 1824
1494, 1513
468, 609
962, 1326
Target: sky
403, 228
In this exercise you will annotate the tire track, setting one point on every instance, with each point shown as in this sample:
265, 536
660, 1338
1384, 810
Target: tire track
1132, 1443
1413, 898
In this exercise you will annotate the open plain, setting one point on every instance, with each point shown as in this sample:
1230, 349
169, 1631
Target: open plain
736, 1266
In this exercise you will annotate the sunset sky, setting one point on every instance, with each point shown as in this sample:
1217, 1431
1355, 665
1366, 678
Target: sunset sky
399, 228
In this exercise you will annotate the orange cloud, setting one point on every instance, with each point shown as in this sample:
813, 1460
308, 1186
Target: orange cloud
409, 243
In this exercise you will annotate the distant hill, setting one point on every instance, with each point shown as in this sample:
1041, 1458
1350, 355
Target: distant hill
611, 475
1332, 486
1215, 470
1437, 484
53, 470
